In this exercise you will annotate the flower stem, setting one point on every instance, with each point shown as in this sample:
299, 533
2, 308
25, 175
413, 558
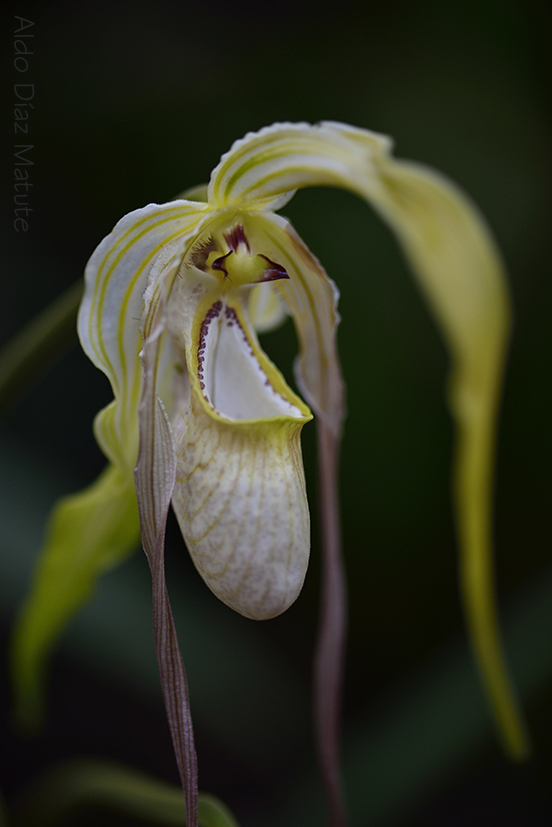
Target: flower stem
332, 628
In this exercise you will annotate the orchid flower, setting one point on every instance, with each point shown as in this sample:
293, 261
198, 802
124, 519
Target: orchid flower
202, 419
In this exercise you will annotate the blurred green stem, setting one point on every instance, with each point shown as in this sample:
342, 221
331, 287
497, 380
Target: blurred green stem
38, 344
85, 784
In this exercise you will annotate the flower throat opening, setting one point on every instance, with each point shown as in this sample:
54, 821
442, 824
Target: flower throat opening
230, 374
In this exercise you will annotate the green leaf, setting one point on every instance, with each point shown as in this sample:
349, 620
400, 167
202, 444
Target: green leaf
86, 784
89, 533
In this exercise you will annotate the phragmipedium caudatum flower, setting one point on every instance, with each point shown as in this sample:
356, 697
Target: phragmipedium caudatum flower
202, 419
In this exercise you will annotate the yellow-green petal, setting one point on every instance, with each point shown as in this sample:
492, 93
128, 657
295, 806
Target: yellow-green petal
89, 533
459, 270
264, 169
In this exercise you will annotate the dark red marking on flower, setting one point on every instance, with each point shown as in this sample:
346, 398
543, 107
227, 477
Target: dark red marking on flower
218, 264
211, 314
232, 319
235, 237
274, 271
230, 313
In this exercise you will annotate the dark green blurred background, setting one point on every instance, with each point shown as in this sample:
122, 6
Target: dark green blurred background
135, 102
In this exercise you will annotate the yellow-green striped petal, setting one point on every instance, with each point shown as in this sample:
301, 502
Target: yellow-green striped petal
154, 237
264, 169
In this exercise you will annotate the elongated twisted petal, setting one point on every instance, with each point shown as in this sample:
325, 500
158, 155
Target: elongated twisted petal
116, 277
476, 320
457, 265
239, 494
443, 236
